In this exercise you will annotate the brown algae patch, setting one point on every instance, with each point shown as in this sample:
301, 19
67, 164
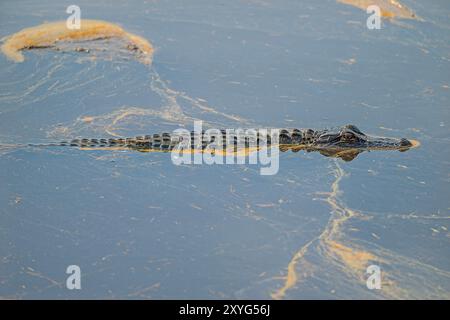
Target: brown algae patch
49, 34
292, 276
336, 250
390, 9
355, 259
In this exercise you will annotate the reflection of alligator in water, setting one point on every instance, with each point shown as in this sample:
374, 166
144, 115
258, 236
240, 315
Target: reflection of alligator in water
344, 142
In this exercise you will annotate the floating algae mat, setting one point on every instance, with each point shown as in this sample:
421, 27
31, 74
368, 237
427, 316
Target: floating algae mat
57, 36
388, 8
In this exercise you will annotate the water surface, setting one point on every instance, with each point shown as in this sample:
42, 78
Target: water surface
140, 227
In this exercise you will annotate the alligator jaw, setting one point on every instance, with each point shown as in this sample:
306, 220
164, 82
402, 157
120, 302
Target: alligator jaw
382, 143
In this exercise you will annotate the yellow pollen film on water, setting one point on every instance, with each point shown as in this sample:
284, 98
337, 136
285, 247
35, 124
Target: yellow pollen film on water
48, 35
389, 9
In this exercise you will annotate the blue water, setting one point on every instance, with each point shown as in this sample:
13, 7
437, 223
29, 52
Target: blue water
140, 227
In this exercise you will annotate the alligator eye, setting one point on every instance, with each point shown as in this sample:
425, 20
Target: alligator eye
347, 136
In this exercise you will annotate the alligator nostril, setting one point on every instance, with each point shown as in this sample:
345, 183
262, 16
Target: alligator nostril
405, 143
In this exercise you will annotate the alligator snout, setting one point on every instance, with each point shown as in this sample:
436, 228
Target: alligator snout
405, 143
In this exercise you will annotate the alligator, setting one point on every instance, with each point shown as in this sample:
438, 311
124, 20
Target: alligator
344, 142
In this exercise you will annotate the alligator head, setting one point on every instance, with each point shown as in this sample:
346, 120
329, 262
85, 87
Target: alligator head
348, 141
